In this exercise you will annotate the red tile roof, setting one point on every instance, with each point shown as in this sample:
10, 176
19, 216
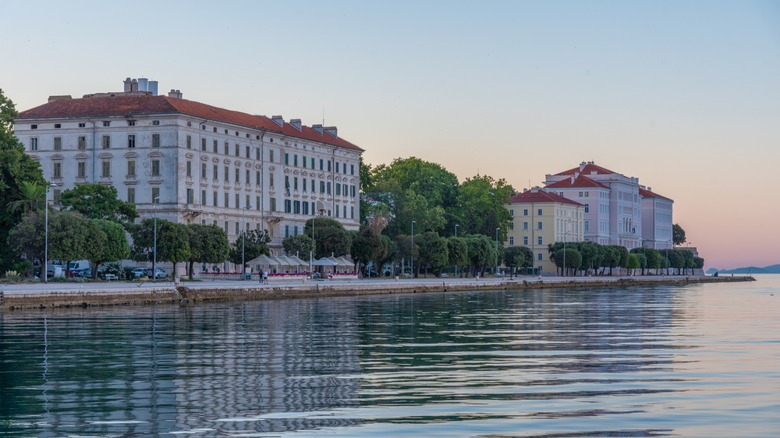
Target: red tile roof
529, 196
580, 181
136, 105
587, 170
648, 194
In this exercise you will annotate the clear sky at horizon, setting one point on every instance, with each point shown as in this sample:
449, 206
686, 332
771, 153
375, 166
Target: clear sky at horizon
684, 95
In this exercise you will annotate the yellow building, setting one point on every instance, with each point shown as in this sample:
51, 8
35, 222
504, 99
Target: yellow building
540, 218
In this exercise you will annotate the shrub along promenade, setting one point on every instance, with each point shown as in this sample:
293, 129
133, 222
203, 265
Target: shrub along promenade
64, 295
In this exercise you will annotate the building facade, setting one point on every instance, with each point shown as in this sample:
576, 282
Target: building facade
657, 220
540, 218
191, 162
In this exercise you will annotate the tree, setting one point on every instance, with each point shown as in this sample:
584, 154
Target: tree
514, 257
97, 201
458, 251
433, 252
676, 260
330, 237
634, 262
572, 256
481, 252
480, 206
299, 245
678, 235
16, 167
611, 257
173, 242
256, 244
368, 246
208, 244
114, 248
33, 197
653, 259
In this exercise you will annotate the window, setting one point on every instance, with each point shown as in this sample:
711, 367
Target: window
286, 158
329, 165
257, 202
322, 186
354, 191
287, 206
155, 195
525, 212
273, 204
352, 169
215, 199
328, 186
189, 142
587, 208
57, 143
203, 144
257, 178
155, 122
203, 171
81, 125
257, 154
216, 173
227, 200
247, 176
286, 231
190, 196
238, 175
305, 208
539, 257
304, 184
295, 160
106, 123
82, 144
286, 182
271, 180
189, 169
57, 170
131, 168
538, 225
295, 183
237, 151
106, 142
131, 195
203, 197
34, 144
511, 212
131, 141
525, 225
539, 240
338, 188
131, 123
297, 207
106, 169
512, 225
226, 147
155, 167
215, 146
271, 156
304, 161
247, 151
337, 167
227, 174
155, 140
81, 171
525, 240
539, 212
321, 164
511, 240
238, 204
312, 163
313, 190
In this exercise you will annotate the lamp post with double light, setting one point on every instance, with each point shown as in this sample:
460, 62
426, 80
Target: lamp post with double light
156, 201
45, 269
243, 240
496, 271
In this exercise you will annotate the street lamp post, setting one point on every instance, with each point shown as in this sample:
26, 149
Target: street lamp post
243, 241
564, 249
156, 200
456, 235
496, 271
412, 263
45, 269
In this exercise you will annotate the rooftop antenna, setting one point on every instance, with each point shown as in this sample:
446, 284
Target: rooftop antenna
323, 115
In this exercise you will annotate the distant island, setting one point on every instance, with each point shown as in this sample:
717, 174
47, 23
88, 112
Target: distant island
773, 269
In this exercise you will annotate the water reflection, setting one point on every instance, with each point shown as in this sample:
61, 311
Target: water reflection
552, 363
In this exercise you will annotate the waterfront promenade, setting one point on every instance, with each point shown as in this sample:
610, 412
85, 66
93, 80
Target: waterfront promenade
38, 295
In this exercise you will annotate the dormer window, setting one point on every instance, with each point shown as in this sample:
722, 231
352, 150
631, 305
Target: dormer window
106, 123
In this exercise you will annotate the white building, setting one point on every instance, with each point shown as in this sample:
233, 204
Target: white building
615, 210
204, 164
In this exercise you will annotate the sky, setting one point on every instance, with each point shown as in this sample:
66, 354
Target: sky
684, 95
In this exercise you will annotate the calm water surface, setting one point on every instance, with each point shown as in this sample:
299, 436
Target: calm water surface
699, 360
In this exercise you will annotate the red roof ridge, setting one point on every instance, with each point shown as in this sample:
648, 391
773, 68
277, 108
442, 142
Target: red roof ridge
579, 181
540, 196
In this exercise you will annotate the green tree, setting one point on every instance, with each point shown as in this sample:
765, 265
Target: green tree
33, 197
653, 259
97, 201
330, 237
368, 246
676, 260
433, 252
115, 247
633, 262
208, 244
611, 257
458, 251
299, 245
514, 257
678, 235
256, 244
173, 242
572, 256
16, 167
480, 206
481, 253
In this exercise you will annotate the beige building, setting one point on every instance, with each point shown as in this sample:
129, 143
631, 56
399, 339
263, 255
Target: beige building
540, 218
202, 163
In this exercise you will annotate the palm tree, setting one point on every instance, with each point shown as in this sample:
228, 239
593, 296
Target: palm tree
32, 197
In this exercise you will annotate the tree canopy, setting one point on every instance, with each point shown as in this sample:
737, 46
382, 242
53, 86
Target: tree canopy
98, 201
208, 244
678, 235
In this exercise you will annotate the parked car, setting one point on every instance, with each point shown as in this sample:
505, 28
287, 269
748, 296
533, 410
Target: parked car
159, 274
135, 273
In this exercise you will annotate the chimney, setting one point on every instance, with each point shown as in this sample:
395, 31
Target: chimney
153, 87
296, 123
176, 94
62, 97
332, 130
572, 179
134, 85
128, 85
317, 128
582, 166
278, 120
143, 84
